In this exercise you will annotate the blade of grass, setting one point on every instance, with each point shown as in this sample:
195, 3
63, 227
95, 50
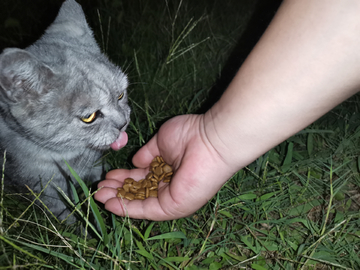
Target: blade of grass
21, 249
2, 195
93, 205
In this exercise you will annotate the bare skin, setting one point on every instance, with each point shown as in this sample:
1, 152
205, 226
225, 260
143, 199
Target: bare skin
307, 62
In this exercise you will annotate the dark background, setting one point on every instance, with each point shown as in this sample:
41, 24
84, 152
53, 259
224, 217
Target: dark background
23, 22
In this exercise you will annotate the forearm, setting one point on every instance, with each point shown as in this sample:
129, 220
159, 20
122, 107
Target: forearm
306, 63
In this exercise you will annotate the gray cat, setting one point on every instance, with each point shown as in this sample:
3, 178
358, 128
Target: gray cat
60, 99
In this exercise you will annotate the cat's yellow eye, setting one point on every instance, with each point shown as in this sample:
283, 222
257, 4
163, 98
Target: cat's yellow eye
90, 118
121, 96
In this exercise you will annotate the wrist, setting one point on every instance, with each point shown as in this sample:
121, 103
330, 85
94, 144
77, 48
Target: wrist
223, 134
243, 125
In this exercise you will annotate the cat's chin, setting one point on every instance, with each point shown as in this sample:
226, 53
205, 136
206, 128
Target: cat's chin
120, 142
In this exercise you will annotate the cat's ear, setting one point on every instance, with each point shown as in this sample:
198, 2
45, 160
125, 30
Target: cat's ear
22, 75
70, 26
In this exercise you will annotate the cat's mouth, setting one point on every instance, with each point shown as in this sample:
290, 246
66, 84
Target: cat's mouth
120, 142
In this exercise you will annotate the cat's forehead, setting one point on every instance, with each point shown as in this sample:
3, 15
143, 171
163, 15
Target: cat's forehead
84, 99
94, 86
88, 71
93, 91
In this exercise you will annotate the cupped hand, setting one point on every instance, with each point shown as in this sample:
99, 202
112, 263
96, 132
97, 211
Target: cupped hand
199, 172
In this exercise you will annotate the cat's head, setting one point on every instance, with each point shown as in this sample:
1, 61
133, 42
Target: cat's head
62, 92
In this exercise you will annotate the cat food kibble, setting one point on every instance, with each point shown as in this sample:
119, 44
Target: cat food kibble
148, 187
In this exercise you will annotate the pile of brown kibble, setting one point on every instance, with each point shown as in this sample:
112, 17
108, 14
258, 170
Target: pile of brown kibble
148, 187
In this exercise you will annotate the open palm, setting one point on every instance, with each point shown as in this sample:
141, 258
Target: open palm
199, 173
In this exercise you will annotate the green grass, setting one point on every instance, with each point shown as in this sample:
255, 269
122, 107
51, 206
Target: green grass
296, 207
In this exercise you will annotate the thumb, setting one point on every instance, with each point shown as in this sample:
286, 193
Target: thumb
147, 153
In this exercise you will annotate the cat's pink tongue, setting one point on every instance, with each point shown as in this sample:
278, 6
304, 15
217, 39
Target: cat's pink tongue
120, 142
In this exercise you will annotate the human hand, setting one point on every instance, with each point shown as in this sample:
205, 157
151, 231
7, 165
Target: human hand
199, 172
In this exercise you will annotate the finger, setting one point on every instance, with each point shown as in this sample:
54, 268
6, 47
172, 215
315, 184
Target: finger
115, 179
162, 208
122, 207
110, 183
150, 208
146, 154
122, 174
108, 191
